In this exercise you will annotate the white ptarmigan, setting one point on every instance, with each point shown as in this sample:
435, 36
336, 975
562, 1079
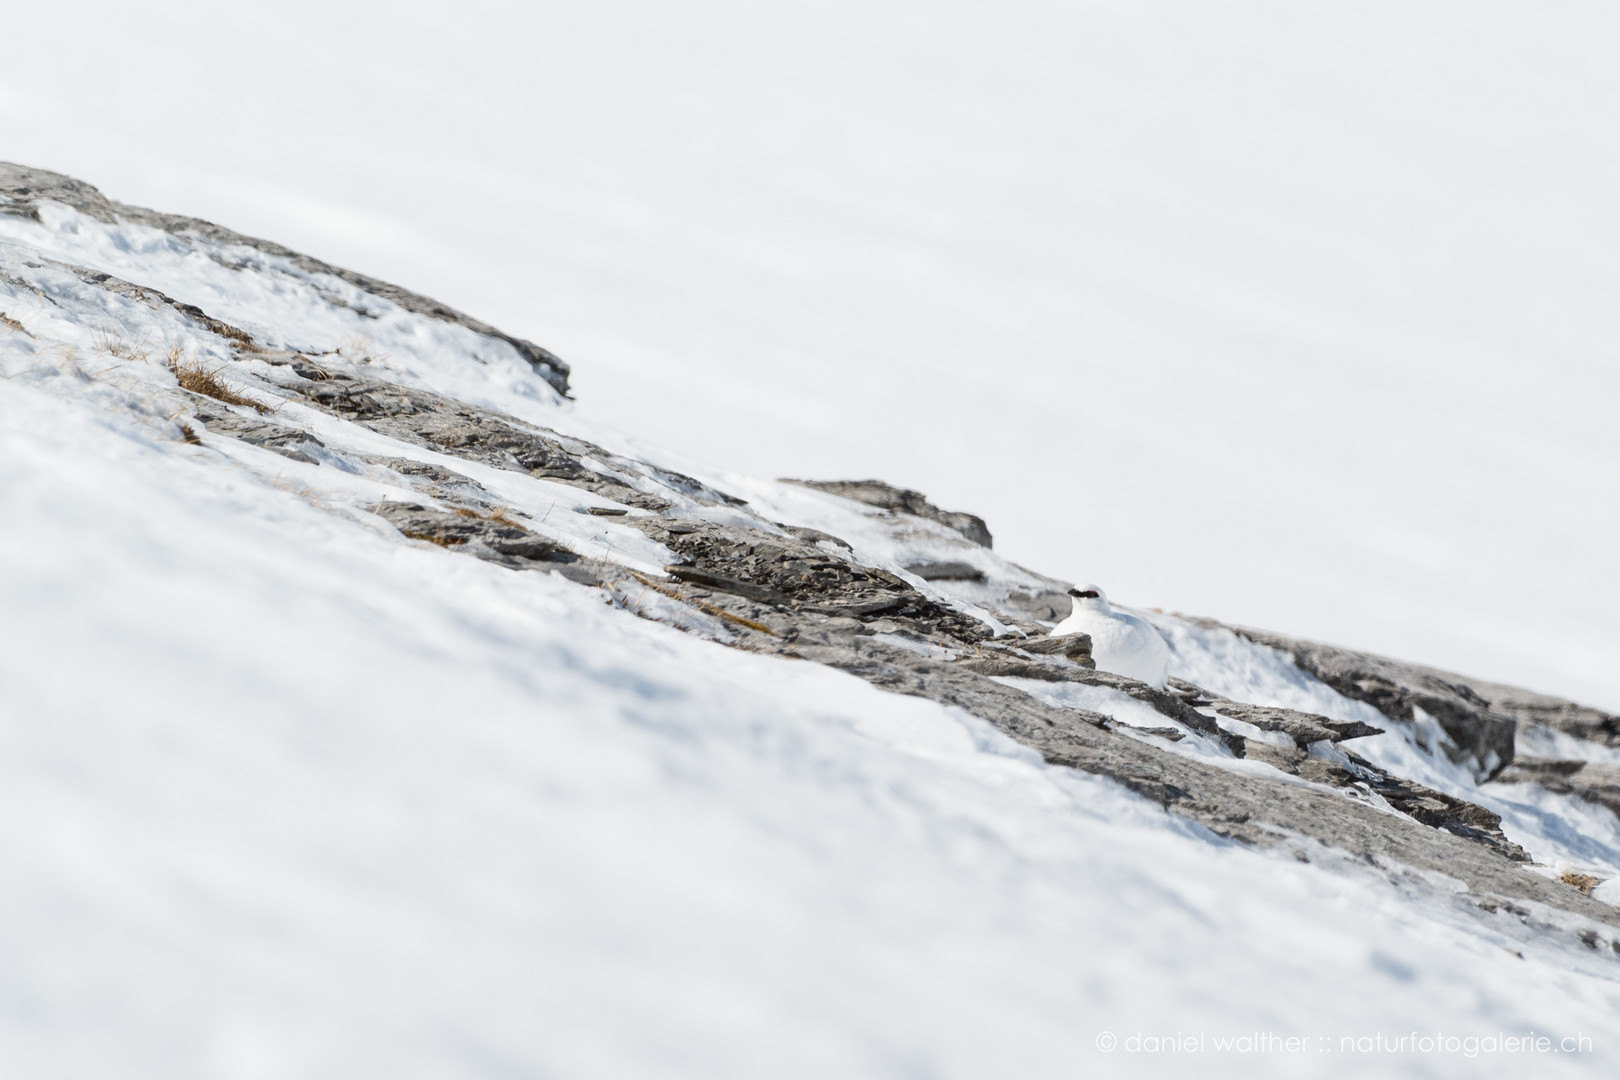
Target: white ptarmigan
1120, 643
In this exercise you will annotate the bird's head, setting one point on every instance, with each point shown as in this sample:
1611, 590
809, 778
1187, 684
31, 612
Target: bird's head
1089, 596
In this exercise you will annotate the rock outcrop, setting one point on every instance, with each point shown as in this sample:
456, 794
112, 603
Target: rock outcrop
1479, 731
940, 627
22, 189
903, 501
1595, 783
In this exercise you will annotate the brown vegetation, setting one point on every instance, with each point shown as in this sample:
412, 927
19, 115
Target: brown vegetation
1584, 882
497, 515
112, 342
206, 381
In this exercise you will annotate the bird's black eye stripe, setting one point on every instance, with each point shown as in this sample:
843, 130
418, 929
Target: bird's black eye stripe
1092, 593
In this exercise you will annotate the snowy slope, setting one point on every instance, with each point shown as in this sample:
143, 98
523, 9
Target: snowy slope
1308, 301
287, 793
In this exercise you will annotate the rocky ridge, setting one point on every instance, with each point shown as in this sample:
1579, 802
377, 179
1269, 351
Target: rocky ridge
911, 599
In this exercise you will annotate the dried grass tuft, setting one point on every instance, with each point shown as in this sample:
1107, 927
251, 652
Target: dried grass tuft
498, 515
1584, 882
241, 337
112, 342
200, 380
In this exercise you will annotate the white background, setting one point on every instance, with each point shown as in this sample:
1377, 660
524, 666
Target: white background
1297, 314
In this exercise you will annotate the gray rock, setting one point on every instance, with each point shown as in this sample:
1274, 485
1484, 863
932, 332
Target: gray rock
946, 571
23, 188
1422, 804
1016, 668
696, 575
797, 574
436, 481
1303, 727
1076, 647
470, 432
1168, 733
287, 441
495, 539
814, 536
904, 501
1048, 606
1596, 783
1528, 708
1482, 734
437, 474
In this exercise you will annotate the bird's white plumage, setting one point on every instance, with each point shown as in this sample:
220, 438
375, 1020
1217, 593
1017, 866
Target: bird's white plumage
1121, 643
